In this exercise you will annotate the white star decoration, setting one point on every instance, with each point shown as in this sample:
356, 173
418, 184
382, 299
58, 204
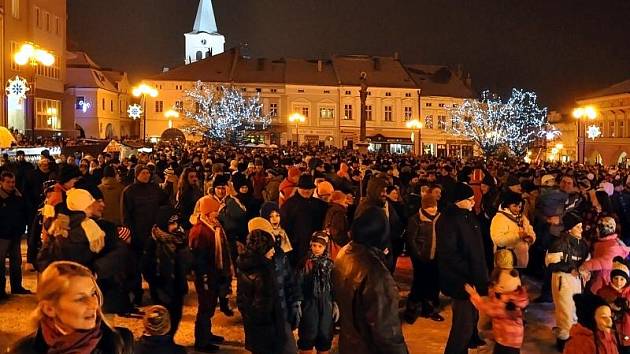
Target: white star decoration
593, 132
134, 111
17, 88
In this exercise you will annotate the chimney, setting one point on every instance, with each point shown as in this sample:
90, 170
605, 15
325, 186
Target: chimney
377, 63
320, 65
396, 56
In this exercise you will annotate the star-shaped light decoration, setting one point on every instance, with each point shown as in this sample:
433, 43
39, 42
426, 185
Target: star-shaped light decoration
593, 132
134, 111
17, 88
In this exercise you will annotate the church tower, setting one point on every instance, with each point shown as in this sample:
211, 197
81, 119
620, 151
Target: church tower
204, 40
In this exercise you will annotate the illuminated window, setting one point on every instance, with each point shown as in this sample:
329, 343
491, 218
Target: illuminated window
442, 122
347, 112
48, 114
273, 109
428, 121
179, 106
408, 113
159, 106
326, 113
305, 111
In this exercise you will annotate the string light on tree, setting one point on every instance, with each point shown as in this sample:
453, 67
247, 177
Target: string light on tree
134, 111
593, 132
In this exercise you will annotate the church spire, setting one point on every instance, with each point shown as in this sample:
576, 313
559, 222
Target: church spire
205, 21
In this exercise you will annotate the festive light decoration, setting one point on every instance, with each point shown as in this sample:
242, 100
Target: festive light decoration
491, 123
85, 105
17, 88
220, 112
134, 111
593, 132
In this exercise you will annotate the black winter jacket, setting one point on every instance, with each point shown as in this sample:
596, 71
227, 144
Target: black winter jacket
13, 214
114, 341
419, 237
368, 298
460, 253
569, 250
140, 201
301, 217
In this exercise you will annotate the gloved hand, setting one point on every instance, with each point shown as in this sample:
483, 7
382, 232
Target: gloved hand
296, 314
335, 312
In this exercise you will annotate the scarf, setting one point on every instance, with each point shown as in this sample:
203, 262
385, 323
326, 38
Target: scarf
77, 342
211, 222
94, 235
320, 268
282, 239
433, 219
517, 219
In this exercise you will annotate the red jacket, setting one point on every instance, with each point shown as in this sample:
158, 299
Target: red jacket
507, 326
286, 190
582, 342
610, 294
604, 251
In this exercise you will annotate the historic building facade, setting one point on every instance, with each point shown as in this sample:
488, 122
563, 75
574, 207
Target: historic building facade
43, 24
326, 92
96, 99
613, 119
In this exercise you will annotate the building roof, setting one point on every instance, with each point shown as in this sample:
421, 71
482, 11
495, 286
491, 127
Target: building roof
205, 21
616, 89
232, 67
80, 60
83, 72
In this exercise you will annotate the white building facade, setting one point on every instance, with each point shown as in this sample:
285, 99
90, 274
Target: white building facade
204, 40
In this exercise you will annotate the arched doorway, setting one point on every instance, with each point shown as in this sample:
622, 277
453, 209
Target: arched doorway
199, 55
109, 131
173, 134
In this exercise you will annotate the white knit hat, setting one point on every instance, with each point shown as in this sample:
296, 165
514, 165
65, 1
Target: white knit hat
548, 180
79, 199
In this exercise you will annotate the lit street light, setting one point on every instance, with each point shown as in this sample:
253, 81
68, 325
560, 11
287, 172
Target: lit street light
581, 114
144, 90
170, 115
34, 56
297, 119
416, 124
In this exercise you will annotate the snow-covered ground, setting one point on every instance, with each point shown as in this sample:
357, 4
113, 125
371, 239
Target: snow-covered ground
425, 336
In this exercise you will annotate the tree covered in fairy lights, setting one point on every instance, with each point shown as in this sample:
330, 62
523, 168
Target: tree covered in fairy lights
493, 124
220, 112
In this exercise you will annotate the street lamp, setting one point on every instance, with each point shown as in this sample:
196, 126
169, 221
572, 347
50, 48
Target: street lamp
34, 56
581, 114
170, 115
144, 90
416, 124
297, 119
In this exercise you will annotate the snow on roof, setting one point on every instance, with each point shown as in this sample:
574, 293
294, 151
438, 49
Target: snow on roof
616, 89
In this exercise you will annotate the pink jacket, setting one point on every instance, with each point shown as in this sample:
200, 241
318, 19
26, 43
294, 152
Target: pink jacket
507, 326
604, 251
582, 342
610, 294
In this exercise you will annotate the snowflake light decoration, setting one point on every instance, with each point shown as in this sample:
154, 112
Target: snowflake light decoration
593, 132
134, 111
17, 88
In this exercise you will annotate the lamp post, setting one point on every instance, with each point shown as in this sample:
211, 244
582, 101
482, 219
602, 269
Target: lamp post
581, 114
416, 124
144, 90
34, 56
170, 115
298, 119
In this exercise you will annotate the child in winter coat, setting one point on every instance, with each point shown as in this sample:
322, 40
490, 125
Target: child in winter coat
505, 304
605, 249
592, 334
156, 338
617, 295
271, 212
564, 258
319, 311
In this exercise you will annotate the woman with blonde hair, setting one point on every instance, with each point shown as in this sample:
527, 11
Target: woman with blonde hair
68, 316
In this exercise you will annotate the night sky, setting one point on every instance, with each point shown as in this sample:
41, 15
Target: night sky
560, 48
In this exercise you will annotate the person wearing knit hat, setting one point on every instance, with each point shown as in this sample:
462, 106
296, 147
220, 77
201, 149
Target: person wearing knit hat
594, 320
548, 181
606, 226
156, 338
324, 191
80, 200
271, 212
564, 258
513, 184
421, 240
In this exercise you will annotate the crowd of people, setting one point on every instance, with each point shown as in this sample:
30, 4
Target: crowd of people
312, 237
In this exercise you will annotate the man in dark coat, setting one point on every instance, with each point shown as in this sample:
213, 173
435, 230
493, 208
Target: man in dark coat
461, 260
300, 216
139, 204
368, 305
12, 223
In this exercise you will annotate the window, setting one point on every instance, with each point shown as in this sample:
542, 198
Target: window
326, 113
38, 22
15, 8
179, 106
454, 122
273, 109
57, 25
621, 132
305, 111
102, 104
197, 107
49, 71
48, 114
159, 106
428, 121
369, 93
348, 92
274, 90
428, 104
407, 94
388, 113
408, 113
611, 128
388, 94
111, 105
326, 91
368, 112
258, 89
300, 91
243, 89
80, 101
455, 105
47, 17
347, 112
442, 122
440, 104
